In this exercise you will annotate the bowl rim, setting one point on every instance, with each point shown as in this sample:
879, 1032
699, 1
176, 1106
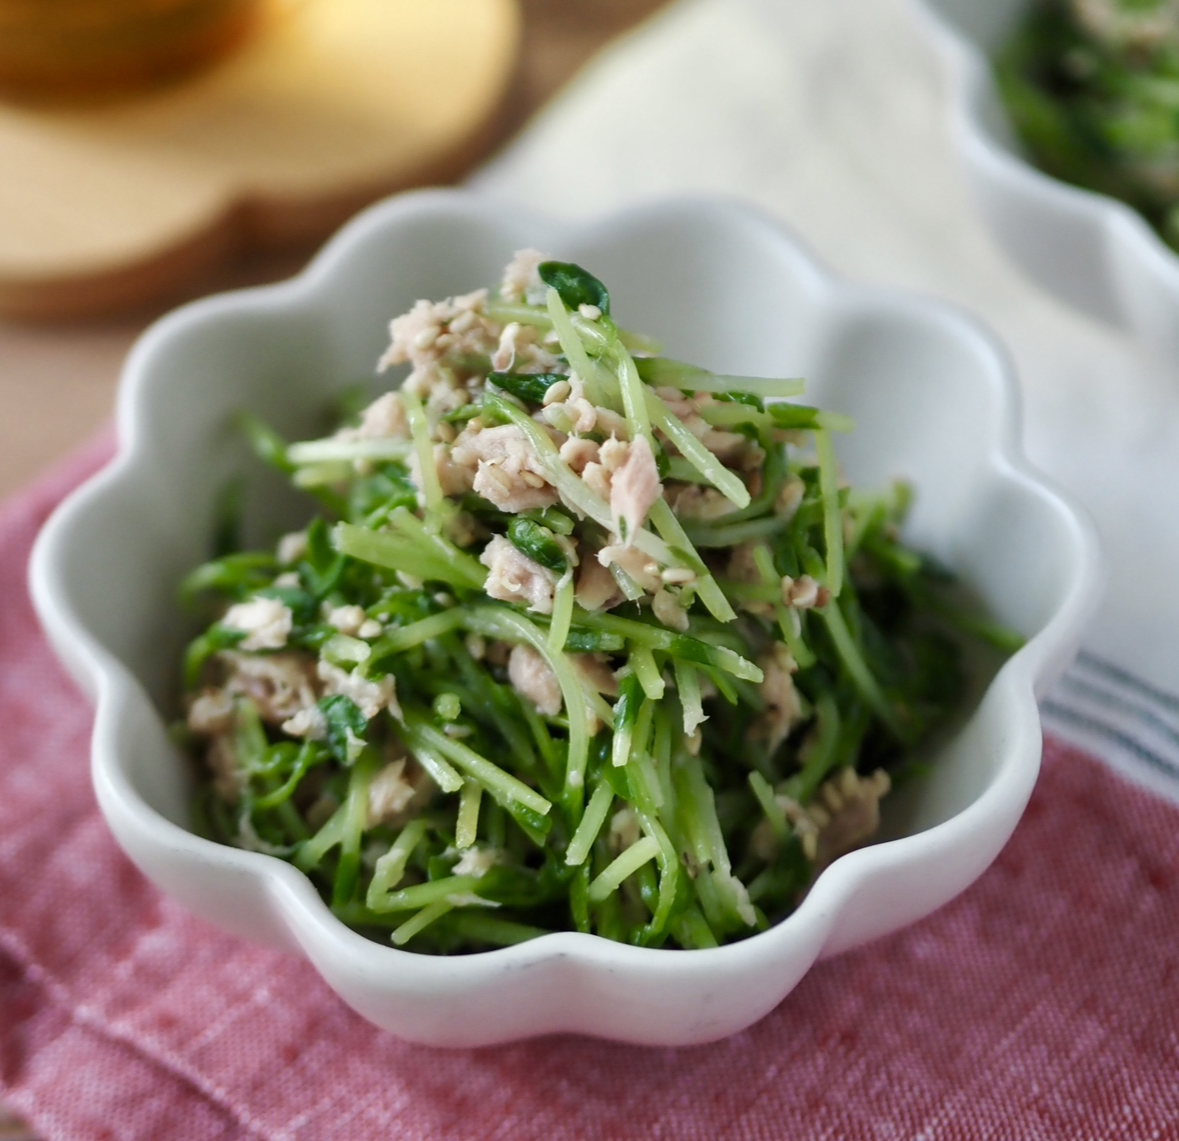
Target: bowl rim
308, 920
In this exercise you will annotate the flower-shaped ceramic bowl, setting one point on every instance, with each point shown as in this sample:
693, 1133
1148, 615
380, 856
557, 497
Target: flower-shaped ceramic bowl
934, 400
1087, 249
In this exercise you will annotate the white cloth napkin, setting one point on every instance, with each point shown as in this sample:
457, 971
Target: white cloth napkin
830, 114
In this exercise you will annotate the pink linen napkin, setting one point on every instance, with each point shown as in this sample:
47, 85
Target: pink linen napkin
1041, 1004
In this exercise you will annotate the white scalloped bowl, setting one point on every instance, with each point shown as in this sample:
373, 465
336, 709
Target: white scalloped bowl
1089, 250
935, 402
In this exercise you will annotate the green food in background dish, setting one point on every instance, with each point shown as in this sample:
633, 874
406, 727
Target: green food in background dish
1092, 87
582, 638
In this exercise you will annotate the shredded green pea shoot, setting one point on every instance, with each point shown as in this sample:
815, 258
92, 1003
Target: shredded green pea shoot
578, 638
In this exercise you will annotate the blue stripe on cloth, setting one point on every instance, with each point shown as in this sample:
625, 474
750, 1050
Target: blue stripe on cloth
1119, 717
1056, 711
1137, 711
1107, 669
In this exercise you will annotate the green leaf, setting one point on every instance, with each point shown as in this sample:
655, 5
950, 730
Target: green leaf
527, 386
302, 605
552, 518
537, 543
575, 285
322, 566
345, 726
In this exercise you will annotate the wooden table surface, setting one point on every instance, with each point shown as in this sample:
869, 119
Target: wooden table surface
57, 380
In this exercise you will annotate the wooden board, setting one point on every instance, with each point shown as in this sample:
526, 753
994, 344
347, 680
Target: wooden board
335, 102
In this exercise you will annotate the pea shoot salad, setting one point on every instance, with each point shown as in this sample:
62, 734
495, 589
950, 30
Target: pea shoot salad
1092, 87
582, 638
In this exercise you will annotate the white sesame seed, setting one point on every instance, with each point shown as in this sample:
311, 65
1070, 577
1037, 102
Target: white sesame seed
556, 392
589, 312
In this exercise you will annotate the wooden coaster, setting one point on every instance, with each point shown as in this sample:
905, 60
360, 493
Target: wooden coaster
332, 104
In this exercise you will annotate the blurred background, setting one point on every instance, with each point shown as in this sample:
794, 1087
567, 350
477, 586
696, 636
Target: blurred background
100, 161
